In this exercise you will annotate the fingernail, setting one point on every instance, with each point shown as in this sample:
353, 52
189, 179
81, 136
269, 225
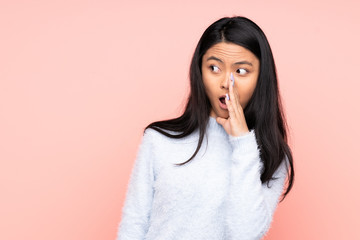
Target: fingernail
227, 97
232, 79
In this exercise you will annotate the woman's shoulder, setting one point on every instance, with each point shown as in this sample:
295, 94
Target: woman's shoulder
153, 135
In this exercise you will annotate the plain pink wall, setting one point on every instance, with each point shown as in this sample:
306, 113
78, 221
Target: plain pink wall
79, 80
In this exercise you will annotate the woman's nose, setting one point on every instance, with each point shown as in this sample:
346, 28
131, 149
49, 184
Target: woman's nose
226, 81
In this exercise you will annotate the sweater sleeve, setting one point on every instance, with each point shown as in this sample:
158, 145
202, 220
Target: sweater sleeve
138, 202
250, 205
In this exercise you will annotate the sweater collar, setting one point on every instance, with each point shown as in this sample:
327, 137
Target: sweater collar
214, 127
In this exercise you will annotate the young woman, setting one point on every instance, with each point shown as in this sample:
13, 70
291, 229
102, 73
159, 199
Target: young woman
228, 186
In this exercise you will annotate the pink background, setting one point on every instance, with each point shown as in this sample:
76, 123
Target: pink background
79, 80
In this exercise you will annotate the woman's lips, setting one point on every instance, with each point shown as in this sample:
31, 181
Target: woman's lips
223, 105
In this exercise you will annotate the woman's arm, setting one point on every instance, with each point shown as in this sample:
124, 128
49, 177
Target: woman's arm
250, 205
137, 207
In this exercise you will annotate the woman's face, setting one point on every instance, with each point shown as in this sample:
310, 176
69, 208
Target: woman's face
217, 64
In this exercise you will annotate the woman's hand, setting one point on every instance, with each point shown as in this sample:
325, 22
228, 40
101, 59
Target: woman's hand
235, 125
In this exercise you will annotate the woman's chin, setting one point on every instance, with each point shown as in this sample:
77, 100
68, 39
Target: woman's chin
222, 114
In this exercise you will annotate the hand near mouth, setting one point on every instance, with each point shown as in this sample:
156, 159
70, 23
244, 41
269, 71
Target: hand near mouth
235, 125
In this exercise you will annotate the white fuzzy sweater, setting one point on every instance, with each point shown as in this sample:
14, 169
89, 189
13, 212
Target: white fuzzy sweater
217, 195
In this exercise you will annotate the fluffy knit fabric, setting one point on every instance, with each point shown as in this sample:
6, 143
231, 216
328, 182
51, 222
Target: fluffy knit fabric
217, 195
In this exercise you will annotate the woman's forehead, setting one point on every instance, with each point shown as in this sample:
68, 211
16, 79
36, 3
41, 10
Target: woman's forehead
229, 52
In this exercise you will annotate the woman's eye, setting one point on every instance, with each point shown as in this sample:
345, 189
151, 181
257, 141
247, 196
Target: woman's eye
242, 71
213, 66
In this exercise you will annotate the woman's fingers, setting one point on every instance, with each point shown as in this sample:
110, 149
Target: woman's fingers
237, 120
230, 107
233, 97
235, 125
237, 99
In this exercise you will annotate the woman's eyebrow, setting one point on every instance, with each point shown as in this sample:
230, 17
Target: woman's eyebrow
219, 60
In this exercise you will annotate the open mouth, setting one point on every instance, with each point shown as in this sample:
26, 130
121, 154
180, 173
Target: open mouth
222, 100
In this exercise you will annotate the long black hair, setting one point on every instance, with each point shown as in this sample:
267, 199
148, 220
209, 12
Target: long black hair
264, 111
